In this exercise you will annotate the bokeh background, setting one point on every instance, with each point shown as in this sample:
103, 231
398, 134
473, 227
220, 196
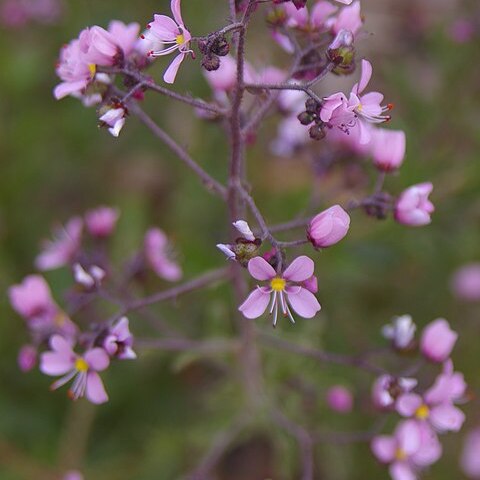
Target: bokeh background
165, 409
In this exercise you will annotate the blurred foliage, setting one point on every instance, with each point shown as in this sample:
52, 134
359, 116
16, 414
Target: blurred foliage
165, 411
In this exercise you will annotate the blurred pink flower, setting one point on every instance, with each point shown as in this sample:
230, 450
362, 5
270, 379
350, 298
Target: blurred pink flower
33, 300
156, 253
413, 208
437, 340
470, 459
401, 332
73, 475
119, 341
63, 249
349, 18
465, 282
411, 447
462, 30
174, 34
27, 358
125, 35
62, 360
340, 399
437, 404
101, 221
388, 148
386, 389
328, 227
282, 290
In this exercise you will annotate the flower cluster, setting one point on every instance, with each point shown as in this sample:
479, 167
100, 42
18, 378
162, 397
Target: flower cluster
49, 324
427, 413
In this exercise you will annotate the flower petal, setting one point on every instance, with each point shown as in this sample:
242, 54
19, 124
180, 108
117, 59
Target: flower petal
383, 447
260, 269
53, 363
176, 10
256, 303
304, 303
408, 403
365, 76
97, 359
171, 72
95, 391
300, 269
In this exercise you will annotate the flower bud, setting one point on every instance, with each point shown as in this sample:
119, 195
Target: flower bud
220, 46
211, 62
413, 208
328, 227
312, 106
437, 341
466, 282
317, 132
27, 358
340, 399
386, 389
401, 332
305, 118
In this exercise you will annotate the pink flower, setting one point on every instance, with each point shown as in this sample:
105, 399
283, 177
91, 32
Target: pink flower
125, 35
401, 332
101, 221
114, 119
368, 106
63, 249
470, 459
33, 300
244, 229
388, 148
27, 358
438, 340
171, 32
328, 227
437, 404
349, 18
386, 389
466, 282
282, 289
413, 208
100, 47
411, 447
156, 245
340, 399
90, 277
73, 68
119, 341
73, 475
291, 136
62, 360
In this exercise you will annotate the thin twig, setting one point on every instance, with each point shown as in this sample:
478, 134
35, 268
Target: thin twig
211, 184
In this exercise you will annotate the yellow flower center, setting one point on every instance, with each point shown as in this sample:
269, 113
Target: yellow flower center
81, 365
59, 319
400, 454
422, 412
359, 107
278, 284
180, 39
92, 69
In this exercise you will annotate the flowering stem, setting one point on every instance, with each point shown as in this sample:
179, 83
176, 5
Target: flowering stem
148, 83
211, 184
202, 281
322, 356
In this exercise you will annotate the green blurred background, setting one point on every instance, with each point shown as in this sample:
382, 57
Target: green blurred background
165, 409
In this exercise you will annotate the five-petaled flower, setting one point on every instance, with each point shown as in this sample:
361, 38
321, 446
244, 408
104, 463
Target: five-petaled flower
62, 360
173, 34
284, 289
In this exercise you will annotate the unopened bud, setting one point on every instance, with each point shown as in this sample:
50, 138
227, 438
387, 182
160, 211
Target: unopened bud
211, 62
305, 118
220, 46
312, 106
317, 132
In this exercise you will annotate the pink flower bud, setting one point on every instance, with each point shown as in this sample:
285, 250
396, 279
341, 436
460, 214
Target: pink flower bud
466, 282
340, 399
413, 207
102, 221
328, 227
388, 148
438, 340
27, 358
